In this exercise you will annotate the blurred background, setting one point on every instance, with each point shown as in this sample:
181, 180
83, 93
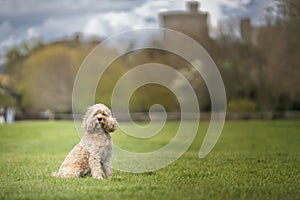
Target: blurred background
254, 43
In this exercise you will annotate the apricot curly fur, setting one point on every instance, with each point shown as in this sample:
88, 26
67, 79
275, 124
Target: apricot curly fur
93, 154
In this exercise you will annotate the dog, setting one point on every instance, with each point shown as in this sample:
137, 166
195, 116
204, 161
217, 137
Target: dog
93, 154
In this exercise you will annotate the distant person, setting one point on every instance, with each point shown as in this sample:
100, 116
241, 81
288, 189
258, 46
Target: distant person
10, 115
2, 113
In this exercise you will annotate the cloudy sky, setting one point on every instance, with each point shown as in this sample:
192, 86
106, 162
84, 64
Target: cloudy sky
21, 20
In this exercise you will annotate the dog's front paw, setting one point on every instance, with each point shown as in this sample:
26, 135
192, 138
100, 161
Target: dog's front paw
55, 174
97, 176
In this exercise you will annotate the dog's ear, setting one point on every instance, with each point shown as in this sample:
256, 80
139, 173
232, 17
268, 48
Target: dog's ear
110, 125
87, 120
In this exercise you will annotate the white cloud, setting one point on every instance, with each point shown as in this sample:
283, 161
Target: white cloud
26, 19
151, 8
214, 10
140, 16
9, 41
110, 23
107, 24
32, 32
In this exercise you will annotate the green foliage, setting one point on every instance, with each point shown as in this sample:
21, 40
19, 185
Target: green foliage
17, 54
265, 69
108, 80
6, 100
148, 95
245, 164
241, 105
47, 78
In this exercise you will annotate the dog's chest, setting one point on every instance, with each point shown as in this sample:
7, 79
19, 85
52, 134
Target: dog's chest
107, 152
98, 144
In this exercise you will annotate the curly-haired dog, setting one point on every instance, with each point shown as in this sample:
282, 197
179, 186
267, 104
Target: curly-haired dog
93, 153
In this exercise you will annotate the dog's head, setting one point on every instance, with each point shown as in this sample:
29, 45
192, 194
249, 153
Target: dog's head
99, 118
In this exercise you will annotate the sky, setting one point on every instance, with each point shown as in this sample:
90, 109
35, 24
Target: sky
50, 20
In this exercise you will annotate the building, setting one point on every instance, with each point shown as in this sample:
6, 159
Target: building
191, 22
246, 31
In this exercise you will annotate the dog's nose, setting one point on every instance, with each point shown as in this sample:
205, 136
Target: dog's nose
99, 119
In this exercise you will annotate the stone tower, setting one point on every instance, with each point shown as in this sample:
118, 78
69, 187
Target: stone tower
246, 30
191, 22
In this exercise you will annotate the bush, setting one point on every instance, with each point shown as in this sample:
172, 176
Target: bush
6, 100
241, 105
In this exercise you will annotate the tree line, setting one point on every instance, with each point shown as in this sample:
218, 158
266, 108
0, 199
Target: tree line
261, 74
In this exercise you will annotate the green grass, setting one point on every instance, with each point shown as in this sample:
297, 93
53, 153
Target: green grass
252, 160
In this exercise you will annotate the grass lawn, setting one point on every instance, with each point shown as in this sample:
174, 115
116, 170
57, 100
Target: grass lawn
252, 160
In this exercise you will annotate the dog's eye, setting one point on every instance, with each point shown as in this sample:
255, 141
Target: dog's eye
104, 114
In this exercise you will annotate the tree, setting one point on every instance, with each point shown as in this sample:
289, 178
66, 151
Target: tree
279, 43
47, 80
